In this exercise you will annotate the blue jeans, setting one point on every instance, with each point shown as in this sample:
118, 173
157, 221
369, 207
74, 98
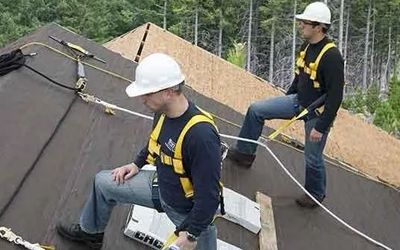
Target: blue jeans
285, 107
106, 194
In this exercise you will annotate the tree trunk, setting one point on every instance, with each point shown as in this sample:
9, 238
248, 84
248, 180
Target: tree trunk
271, 54
372, 66
249, 37
365, 65
396, 67
196, 24
345, 43
221, 23
341, 26
294, 39
165, 15
386, 72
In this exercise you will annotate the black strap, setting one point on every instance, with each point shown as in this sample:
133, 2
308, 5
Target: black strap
155, 195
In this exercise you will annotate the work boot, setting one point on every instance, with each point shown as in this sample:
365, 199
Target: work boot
306, 202
74, 232
244, 160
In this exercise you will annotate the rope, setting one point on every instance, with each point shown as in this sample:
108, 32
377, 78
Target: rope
51, 80
20, 184
74, 59
98, 101
89, 98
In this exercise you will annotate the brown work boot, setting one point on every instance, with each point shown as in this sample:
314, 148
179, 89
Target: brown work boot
244, 160
74, 232
306, 202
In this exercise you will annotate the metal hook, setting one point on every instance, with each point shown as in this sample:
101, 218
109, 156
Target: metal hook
7, 234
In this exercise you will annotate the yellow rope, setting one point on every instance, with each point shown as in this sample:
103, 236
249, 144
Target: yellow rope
48, 247
74, 59
171, 239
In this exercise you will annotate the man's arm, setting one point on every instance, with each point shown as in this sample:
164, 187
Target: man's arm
332, 74
141, 157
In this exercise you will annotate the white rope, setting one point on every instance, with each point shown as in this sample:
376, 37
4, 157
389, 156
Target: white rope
108, 105
305, 191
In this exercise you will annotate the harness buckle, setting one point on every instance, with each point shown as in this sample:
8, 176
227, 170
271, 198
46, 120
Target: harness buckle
80, 84
224, 150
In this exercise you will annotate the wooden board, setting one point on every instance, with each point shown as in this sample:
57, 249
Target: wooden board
267, 234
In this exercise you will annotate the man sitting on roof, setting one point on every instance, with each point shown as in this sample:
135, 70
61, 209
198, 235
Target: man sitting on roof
184, 146
319, 71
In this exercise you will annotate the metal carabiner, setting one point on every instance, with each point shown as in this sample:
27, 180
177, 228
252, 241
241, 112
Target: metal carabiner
7, 234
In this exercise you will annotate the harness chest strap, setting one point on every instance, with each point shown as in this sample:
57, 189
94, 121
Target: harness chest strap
312, 68
154, 149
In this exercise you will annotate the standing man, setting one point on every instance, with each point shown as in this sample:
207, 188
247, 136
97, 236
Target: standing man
319, 71
184, 145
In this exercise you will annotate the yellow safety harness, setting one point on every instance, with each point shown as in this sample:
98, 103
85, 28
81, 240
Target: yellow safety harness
175, 161
312, 67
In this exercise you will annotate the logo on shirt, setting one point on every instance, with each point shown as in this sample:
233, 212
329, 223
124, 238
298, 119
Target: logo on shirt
170, 145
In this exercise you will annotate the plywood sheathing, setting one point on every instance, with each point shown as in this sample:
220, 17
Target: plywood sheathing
130, 41
362, 145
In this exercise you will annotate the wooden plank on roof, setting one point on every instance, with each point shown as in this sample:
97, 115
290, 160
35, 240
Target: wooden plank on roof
267, 235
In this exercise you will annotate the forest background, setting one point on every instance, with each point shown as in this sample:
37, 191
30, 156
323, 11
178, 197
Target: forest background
259, 35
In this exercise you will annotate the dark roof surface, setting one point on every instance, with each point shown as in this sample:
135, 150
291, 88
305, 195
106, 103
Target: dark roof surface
53, 143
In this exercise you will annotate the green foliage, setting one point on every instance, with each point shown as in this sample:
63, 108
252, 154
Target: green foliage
237, 55
372, 99
102, 20
355, 102
386, 112
387, 118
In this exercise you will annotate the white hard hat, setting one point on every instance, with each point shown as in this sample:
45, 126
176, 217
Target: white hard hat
316, 12
156, 72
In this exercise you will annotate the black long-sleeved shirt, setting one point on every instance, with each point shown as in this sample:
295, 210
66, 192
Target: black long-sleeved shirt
202, 163
330, 75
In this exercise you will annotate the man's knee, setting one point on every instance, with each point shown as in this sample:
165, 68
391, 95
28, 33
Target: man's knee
103, 179
314, 162
255, 109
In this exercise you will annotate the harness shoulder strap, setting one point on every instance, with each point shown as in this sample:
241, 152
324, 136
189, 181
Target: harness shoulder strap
157, 129
154, 147
322, 53
193, 121
300, 63
177, 160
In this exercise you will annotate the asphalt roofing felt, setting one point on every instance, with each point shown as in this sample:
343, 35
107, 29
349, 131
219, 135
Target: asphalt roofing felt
53, 143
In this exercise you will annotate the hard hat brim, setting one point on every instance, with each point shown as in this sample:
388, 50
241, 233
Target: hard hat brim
307, 18
134, 90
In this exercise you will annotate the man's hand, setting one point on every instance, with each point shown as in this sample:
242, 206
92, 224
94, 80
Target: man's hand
183, 243
315, 136
125, 172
